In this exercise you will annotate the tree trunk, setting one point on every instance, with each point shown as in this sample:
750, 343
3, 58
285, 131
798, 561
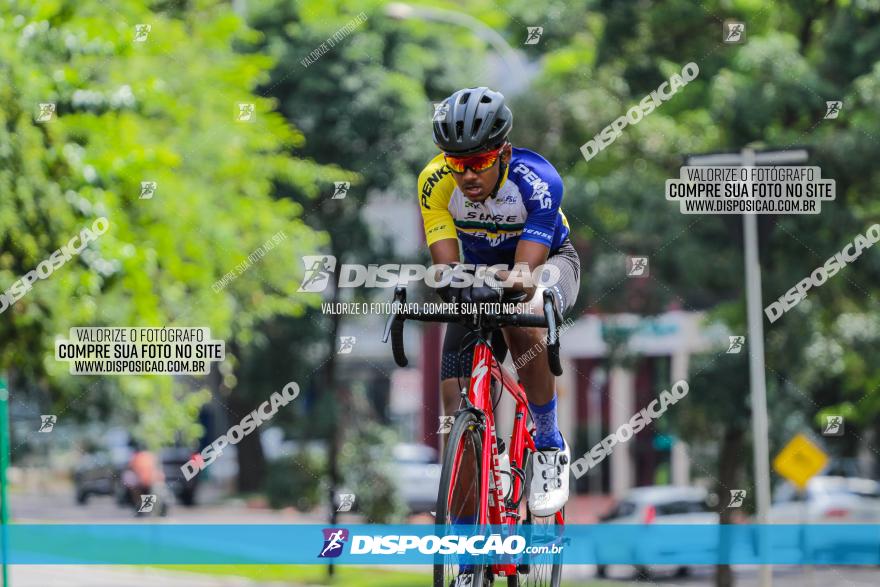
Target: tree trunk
249, 454
728, 469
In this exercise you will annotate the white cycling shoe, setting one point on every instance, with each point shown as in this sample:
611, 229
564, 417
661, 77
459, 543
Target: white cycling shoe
549, 489
464, 580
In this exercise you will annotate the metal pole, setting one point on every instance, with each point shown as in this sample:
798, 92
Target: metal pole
757, 376
4, 463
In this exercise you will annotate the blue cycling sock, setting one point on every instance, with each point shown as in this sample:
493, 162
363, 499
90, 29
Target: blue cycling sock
547, 433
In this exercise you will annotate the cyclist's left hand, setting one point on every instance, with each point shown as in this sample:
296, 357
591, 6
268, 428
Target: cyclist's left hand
481, 294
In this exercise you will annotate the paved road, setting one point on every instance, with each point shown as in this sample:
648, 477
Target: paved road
60, 507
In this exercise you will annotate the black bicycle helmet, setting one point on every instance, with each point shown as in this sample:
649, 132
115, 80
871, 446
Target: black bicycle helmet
472, 120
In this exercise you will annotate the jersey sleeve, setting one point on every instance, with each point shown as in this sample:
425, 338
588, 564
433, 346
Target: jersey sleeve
542, 199
434, 194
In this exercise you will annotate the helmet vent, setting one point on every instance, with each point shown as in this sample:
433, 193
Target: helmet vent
477, 124
486, 99
459, 129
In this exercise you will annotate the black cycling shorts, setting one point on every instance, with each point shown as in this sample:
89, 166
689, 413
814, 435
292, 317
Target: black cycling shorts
459, 342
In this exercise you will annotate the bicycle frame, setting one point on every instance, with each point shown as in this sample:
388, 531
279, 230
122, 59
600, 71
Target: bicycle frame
493, 508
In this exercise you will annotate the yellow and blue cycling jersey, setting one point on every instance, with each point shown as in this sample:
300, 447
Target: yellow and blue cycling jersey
527, 206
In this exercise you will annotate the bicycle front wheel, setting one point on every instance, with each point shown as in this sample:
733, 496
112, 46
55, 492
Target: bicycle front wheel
459, 498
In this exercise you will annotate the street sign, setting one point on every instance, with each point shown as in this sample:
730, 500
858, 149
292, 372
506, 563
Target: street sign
799, 461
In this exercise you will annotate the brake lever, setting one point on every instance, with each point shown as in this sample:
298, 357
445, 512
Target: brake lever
399, 296
551, 315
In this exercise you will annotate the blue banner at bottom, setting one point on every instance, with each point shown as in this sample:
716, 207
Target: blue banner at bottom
168, 544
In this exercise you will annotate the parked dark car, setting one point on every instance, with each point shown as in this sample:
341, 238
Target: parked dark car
99, 471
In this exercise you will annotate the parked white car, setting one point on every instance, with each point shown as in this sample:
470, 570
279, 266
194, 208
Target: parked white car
658, 505
828, 500
416, 475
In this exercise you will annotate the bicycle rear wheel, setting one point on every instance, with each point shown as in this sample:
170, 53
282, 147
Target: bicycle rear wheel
459, 497
543, 570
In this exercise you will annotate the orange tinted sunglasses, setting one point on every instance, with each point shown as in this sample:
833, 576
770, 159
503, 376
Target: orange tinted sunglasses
477, 163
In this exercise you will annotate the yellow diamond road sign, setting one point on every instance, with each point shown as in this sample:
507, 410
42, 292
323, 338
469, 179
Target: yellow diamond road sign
799, 461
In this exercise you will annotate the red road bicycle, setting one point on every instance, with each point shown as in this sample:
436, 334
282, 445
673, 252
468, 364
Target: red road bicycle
471, 482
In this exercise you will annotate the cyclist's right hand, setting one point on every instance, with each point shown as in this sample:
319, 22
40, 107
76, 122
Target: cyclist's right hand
456, 291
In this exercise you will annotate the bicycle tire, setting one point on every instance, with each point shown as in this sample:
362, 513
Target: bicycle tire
465, 427
533, 578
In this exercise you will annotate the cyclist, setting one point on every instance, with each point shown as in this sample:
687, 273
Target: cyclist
500, 205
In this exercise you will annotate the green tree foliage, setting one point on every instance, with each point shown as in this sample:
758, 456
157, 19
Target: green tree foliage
163, 110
